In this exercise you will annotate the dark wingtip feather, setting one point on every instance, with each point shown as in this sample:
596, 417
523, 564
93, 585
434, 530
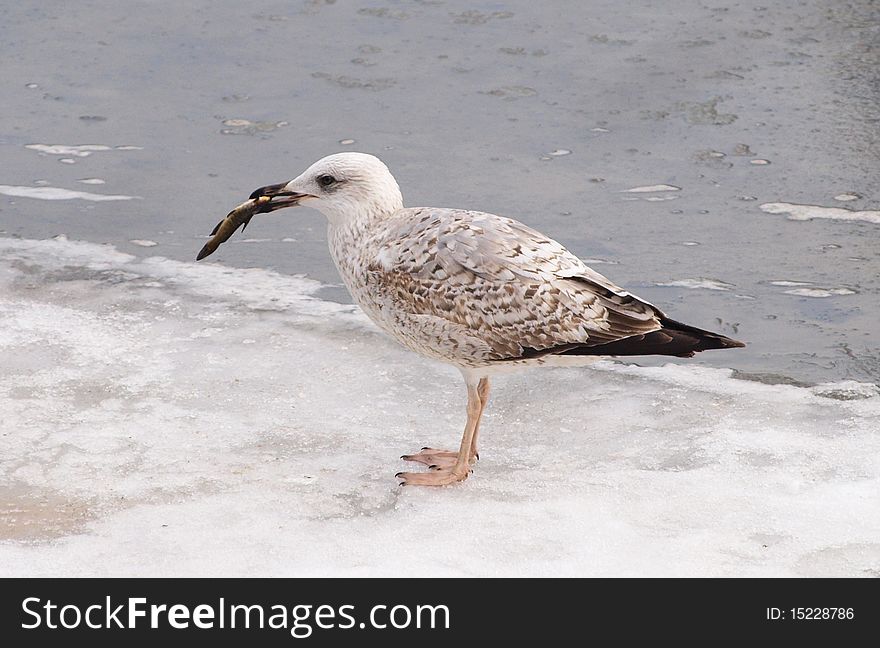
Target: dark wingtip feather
705, 340
672, 339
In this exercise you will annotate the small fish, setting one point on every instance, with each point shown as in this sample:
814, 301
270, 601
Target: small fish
238, 217
262, 201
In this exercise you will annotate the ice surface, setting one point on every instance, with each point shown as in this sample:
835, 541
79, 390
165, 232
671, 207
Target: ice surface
160, 417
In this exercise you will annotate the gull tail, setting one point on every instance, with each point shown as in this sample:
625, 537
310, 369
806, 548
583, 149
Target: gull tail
672, 339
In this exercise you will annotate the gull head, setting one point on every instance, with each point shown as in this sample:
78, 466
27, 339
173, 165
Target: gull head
343, 186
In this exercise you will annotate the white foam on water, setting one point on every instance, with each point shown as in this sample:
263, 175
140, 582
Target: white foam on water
701, 283
791, 283
79, 150
808, 289
57, 193
595, 261
819, 292
809, 212
650, 198
144, 242
652, 189
82, 150
167, 418
92, 181
847, 197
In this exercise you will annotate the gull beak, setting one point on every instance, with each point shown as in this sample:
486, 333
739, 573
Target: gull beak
278, 196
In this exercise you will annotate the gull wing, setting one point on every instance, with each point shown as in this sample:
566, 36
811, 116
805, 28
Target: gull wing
504, 283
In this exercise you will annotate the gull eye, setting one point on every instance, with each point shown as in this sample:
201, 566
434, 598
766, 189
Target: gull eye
326, 180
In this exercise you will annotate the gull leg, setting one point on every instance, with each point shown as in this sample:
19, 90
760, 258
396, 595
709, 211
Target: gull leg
449, 467
434, 458
483, 393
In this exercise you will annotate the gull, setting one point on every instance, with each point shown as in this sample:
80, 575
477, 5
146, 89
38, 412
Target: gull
481, 292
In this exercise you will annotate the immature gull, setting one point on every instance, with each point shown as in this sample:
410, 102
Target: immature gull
481, 292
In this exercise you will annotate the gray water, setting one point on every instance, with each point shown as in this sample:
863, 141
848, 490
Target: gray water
467, 102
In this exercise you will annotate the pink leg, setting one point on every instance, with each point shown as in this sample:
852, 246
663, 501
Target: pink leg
450, 467
483, 392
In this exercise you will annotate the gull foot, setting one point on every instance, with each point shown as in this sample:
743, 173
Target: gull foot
432, 457
434, 477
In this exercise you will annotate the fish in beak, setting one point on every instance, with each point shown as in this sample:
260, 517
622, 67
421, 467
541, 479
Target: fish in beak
262, 201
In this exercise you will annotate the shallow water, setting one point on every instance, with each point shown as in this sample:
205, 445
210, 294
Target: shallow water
552, 115
638, 137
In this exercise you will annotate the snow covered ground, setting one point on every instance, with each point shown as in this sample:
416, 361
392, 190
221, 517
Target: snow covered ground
159, 417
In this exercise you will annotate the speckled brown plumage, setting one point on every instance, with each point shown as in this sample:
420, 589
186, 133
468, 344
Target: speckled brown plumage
475, 289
